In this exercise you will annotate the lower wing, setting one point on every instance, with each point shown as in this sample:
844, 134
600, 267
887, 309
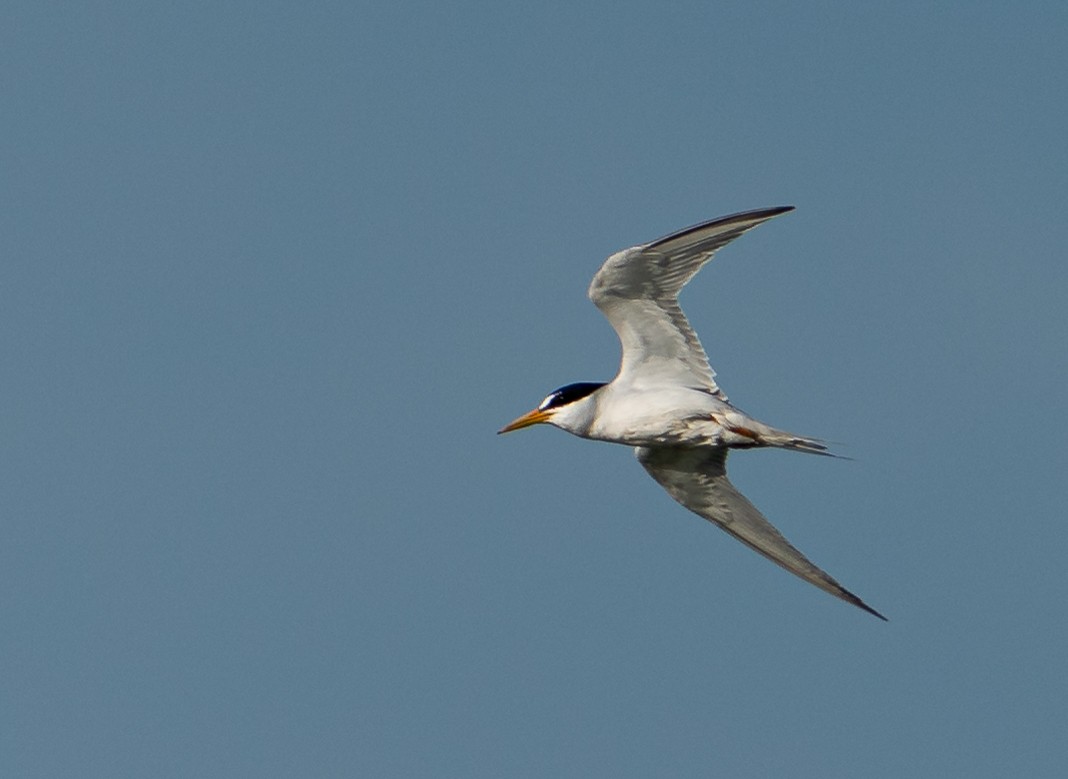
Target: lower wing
697, 478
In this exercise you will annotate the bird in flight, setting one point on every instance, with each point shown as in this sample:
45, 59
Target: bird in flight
665, 401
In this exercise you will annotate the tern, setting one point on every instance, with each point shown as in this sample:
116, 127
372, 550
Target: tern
665, 402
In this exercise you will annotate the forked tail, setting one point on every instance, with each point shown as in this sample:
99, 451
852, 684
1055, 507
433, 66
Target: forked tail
798, 443
761, 435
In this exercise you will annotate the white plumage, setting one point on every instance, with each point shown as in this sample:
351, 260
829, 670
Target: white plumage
665, 401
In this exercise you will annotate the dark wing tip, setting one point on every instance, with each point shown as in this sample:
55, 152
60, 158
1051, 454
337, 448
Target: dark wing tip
760, 214
772, 211
851, 598
870, 610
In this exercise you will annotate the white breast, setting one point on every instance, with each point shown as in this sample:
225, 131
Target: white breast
656, 417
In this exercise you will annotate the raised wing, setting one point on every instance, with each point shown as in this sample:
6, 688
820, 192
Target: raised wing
637, 289
697, 478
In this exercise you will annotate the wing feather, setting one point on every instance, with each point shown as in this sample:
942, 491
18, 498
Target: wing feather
637, 290
697, 478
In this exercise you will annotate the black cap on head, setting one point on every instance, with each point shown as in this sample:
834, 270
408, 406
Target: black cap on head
569, 394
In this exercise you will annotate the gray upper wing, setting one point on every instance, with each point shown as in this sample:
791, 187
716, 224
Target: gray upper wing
697, 478
637, 290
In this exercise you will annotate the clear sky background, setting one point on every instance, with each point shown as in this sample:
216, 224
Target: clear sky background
273, 274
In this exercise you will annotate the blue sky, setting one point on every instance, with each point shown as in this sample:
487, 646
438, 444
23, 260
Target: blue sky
274, 275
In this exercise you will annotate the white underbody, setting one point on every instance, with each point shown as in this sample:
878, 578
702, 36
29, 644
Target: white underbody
664, 416
665, 401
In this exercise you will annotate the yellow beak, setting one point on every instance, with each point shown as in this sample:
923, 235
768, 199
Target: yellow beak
535, 417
